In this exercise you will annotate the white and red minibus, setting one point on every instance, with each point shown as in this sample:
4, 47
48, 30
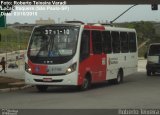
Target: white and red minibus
79, 54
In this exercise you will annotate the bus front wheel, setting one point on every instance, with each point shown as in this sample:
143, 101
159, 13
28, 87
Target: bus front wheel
86, 84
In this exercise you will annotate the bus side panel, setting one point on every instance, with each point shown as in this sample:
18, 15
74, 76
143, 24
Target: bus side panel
95, 65
84, 68
98, 67
133, 63
111, 67
126, 61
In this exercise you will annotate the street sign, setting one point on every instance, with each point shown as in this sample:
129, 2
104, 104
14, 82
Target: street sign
2, 20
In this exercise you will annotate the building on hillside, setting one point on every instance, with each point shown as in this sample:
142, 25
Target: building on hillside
44, 22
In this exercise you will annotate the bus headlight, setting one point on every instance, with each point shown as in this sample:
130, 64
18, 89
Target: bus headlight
28, 69
71, 68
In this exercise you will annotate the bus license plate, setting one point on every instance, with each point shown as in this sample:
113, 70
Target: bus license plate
47, 79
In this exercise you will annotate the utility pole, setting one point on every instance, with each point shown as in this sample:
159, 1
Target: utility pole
18, 47
6, 47
0, 37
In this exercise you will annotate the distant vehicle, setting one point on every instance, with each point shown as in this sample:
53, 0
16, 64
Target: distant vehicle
21, 56
153, 59
12, 65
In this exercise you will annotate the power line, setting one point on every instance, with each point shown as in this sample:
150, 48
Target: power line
123, 13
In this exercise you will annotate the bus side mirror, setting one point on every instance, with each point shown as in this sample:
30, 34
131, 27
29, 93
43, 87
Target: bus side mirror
145, 55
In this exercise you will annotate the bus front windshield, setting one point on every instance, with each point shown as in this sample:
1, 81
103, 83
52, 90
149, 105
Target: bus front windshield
53, 41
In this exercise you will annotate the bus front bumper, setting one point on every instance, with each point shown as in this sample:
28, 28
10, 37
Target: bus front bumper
69, 79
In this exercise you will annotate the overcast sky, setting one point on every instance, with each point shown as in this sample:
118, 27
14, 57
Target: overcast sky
93, 13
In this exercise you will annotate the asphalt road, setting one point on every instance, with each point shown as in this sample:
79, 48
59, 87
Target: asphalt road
137, 91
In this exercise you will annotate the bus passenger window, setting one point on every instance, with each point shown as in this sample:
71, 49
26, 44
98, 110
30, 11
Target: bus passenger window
132, 42
85, 45
107, 42
124, 42
97, 42
115, 42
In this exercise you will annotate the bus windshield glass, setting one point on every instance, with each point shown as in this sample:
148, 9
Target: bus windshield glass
154, 50
53, 41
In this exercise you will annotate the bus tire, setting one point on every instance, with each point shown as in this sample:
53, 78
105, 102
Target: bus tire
149, 73
42, 88
119, 78
86, 84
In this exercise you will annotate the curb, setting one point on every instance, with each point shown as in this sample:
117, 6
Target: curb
15, 88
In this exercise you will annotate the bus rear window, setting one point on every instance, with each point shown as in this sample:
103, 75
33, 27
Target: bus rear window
154, 50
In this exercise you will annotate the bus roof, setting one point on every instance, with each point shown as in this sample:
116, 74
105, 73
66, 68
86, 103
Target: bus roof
109, 28
92, 26
119, 29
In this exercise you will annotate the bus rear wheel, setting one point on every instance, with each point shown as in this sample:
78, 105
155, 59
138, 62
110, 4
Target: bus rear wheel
42, 88
119, 78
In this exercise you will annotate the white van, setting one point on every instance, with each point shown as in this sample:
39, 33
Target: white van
153, 59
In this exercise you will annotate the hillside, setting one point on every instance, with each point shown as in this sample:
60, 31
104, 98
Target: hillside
157, 27
13, 39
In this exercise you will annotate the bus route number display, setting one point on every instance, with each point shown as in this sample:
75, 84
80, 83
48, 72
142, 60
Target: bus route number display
57, 32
